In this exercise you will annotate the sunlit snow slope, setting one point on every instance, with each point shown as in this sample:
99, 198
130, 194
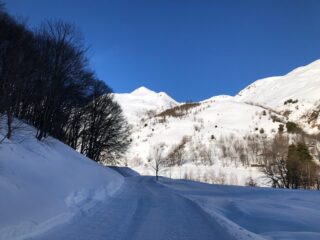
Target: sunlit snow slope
44, 184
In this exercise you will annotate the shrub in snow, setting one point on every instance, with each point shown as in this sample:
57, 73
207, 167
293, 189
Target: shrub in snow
292, 127
251, 182
281, 128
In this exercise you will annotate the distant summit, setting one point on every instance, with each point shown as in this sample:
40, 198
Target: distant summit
142, 101
142, 91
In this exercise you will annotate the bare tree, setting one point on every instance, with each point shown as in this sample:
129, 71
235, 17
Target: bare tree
176, 155
253, 147
156, 158
290, 165
62, 77
275, 161
205, 154
105, 132
45, 80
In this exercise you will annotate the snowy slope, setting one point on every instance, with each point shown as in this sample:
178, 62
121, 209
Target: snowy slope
302, 83
220, 118
251, 112
43, 184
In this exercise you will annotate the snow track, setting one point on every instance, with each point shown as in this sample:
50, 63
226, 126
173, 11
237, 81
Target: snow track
142, 209
145, 209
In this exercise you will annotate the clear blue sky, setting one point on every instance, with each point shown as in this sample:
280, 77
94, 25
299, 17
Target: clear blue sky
191, 49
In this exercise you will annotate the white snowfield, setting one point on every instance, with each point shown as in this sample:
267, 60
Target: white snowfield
43, 184
250, 112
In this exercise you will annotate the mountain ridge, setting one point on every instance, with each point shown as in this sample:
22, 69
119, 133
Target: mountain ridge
257, 110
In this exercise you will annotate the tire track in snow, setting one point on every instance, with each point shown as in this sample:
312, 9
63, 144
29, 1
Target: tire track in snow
142, 209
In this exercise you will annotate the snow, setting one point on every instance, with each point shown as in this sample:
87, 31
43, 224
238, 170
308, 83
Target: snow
217, 98
46, 183
142, 100
256, 213
125, 171
218, 117
251, 110
302, 84
178, 209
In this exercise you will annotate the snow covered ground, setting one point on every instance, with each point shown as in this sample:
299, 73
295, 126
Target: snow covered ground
180, 209
43, 184
262, 213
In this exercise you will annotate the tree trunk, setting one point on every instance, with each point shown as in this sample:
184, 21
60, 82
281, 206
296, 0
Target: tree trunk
9, 124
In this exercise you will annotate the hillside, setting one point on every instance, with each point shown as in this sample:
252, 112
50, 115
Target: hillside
296, 95
219, 124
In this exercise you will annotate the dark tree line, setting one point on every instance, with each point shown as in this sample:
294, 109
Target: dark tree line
45, 81
290, 165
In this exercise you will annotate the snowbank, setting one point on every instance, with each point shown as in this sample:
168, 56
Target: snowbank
125, 171
43, 184
256, 213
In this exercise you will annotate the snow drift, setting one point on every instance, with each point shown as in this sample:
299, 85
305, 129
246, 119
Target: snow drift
256, 213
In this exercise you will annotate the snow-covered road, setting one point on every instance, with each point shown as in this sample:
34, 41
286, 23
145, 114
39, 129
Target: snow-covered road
142, 209
179, 209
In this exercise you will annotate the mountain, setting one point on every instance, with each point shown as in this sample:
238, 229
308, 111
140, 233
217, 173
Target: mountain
212, 131
143, 101
296, 95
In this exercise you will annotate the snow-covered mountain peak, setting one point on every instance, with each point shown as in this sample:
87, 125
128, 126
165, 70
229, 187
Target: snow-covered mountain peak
143, 101
142, 91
